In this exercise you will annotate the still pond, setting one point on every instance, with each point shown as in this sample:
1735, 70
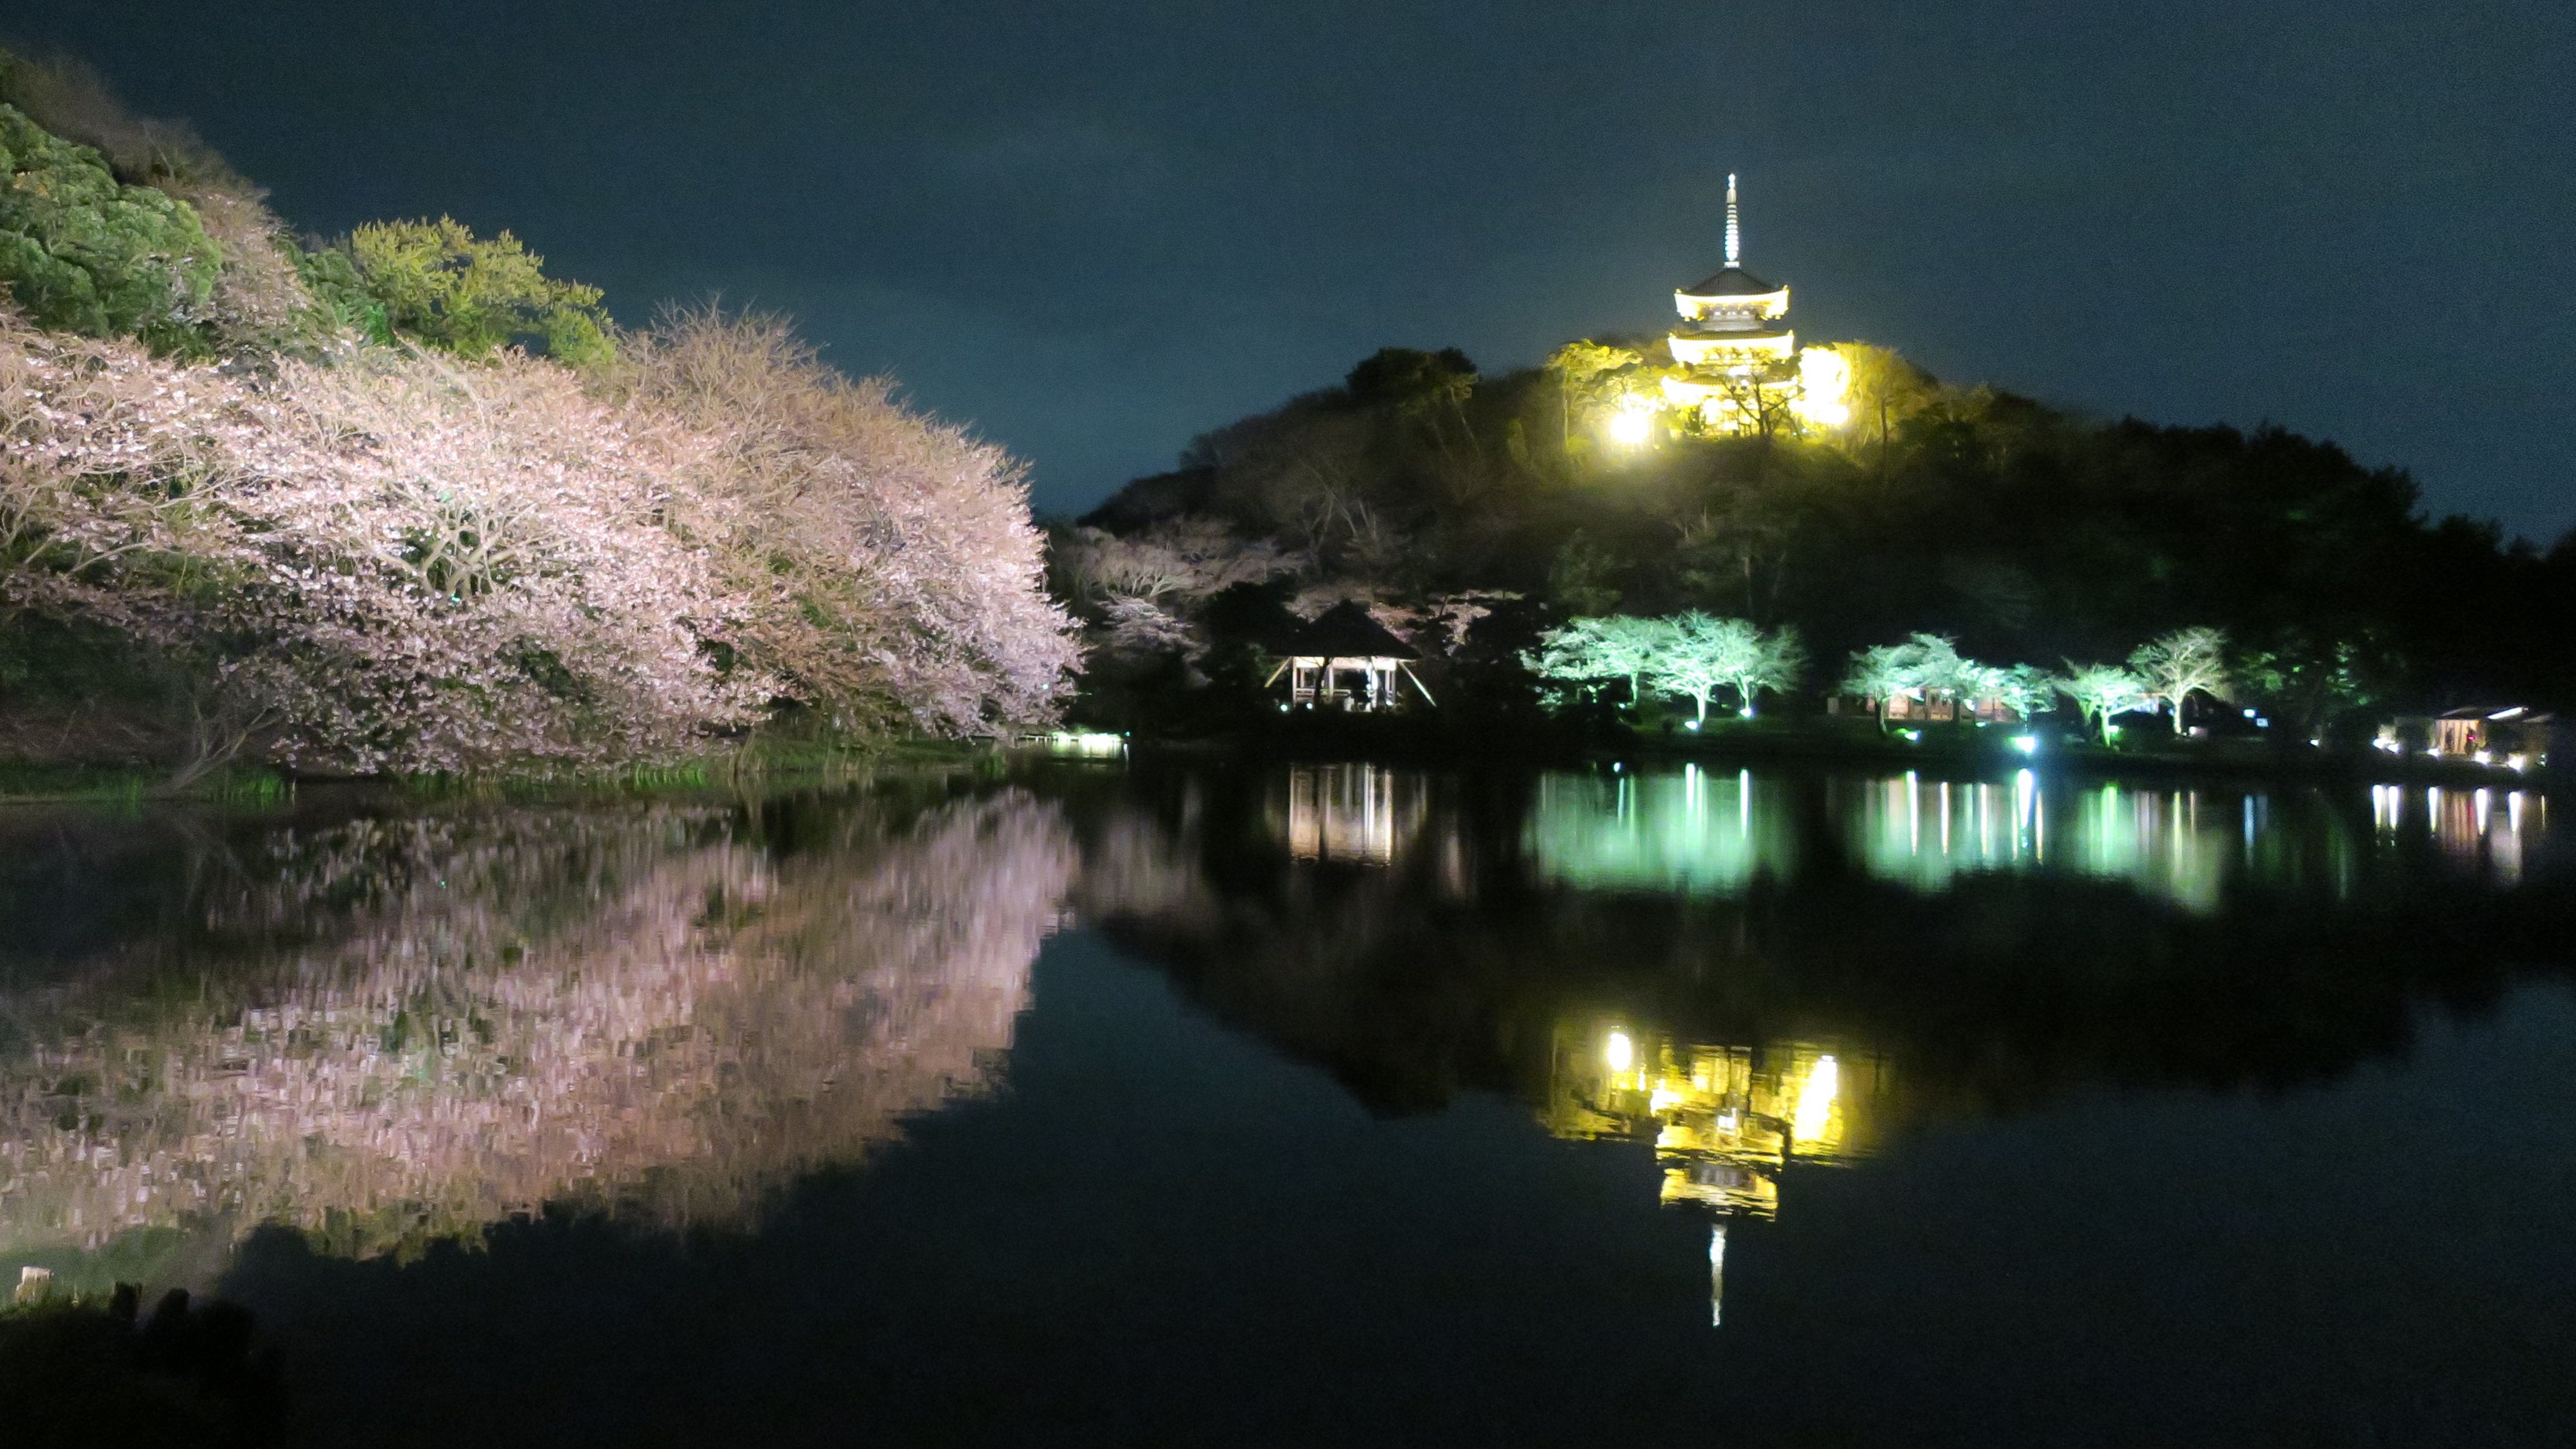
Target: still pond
1327, 1104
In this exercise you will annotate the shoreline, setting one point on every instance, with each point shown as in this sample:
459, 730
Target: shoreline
1985, 752
136, 785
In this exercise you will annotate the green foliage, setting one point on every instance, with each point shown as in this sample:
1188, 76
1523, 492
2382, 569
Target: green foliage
1403, 375
439, 284
1591, 376
82, 252
2308, 685
1583, 579
72, 100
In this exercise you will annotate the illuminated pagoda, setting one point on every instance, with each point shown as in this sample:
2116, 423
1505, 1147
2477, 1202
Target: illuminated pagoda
1740, 367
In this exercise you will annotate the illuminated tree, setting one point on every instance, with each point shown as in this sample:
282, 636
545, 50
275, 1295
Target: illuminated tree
1929, 664
1701, 653
884, 561
399, 561
1881, 674
2100, 691
1615, 646
80, 252
438, 282
2025, 689
1141, 627
2180, 664
1773, 661
1757, 402
1884, 390
1588, 381
1184, 561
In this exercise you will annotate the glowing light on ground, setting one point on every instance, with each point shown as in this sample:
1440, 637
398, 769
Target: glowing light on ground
1633, 424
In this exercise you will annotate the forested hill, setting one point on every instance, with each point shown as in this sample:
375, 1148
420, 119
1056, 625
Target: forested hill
2025, 532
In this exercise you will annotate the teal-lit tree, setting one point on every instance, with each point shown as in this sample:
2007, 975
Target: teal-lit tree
1590, 650
2025, 689
2100, 691
1701, 654
1881, 674
1929, 664
2183, 663
1774, 661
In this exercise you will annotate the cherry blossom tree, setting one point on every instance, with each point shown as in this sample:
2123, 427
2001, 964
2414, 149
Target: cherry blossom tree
2100, 691
2181, 664
886, 563
389, 560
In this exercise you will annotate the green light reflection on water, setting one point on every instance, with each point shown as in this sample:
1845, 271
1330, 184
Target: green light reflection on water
1701, 831
1692, 832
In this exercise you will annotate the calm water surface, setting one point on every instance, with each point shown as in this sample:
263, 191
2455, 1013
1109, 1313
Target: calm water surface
1329, 1104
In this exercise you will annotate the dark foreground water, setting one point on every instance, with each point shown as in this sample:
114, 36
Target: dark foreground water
1328, 1105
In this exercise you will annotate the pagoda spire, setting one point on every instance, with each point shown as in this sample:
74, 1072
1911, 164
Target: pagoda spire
1734, 233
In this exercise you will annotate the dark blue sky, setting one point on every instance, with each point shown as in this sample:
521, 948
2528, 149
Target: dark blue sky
1096, 229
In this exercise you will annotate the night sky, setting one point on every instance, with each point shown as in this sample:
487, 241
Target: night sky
1094, 230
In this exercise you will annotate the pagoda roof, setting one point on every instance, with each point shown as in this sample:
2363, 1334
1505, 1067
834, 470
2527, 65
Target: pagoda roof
1345, 631
1730, 282
1730, 334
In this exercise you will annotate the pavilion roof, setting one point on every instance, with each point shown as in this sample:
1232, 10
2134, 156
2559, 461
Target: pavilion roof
1345, 631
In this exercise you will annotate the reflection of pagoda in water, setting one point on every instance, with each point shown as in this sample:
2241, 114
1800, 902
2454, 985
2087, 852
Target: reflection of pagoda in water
1726, 1121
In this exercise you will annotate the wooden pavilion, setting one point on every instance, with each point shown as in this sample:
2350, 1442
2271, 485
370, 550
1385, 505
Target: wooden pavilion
1343, 659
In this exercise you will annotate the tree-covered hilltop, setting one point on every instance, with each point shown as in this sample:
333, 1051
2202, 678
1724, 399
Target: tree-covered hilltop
2017, 531
404, 502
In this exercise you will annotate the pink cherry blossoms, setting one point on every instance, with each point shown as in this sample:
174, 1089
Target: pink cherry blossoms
394, 561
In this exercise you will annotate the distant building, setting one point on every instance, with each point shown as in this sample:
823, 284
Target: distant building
1741, 369
1346, 660
1934, 706
2513, 735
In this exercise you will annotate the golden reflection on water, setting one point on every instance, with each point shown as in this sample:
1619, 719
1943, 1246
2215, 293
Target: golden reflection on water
469, 1019
1726, 1121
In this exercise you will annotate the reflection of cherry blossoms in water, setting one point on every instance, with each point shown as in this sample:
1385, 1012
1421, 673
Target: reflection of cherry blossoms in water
645, 1011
